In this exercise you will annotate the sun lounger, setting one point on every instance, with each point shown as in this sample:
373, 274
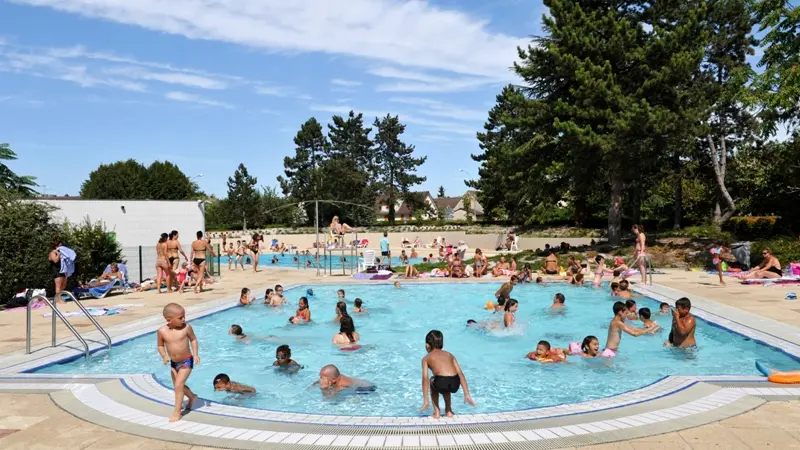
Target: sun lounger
787, 279
99, 291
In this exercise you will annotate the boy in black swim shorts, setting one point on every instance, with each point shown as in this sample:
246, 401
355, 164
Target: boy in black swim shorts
447, 376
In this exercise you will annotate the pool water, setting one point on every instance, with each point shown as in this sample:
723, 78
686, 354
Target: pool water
287, 260
393, 333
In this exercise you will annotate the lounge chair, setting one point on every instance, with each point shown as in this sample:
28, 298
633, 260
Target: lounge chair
363, 244
367, 260
100, 291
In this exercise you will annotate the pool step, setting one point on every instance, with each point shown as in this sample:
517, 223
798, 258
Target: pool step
112, 404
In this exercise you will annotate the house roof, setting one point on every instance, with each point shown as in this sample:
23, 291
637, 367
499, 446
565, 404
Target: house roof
447, 202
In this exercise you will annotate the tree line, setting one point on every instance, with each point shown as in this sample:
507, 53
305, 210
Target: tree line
647, 111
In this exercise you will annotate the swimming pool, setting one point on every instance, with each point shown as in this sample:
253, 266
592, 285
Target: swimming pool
393, 332
287, 260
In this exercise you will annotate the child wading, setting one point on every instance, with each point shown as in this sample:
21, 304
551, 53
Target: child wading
173, 346
447, 376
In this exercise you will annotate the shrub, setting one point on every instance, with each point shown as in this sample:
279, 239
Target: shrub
26, 233
756, 227
96, 248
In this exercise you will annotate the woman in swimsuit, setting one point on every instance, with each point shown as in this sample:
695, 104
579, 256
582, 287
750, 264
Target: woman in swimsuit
480, 263
199, 248
173, 248
770, 267
510, 315
347, 332
162, 264
303, 314
253, 251
641, 251
456, 267
54, 263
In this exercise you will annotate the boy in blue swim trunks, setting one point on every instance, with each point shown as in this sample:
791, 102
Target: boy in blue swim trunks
173, 346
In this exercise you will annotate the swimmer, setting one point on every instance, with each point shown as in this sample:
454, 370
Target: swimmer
447, 376
623, 292
544, 354
617, 278
267, 297
599, 270
222, 382
275, 259
340, 294
644, 316
245, 298
472, 324
341, 310
347, 332
630, 305
332, 381
303, 314
277, 297
506, 288
283, 359
558, 301
590, 347
617, 326
540, 280
359, 306
397, 284
237, 332
510, 316
615, 289
577, 280
663, 309
683, 325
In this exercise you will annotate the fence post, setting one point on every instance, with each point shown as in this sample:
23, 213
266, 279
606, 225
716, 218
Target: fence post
219, 262
141, 275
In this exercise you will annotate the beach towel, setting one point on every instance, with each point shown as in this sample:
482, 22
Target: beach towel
68, 257
786, 279
92, 312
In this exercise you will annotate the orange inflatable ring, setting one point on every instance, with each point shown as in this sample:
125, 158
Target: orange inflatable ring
490, 305
784, 379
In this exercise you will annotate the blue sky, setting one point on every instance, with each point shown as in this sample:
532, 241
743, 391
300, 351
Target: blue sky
208, 84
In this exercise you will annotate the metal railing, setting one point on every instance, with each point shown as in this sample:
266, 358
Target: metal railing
60, 315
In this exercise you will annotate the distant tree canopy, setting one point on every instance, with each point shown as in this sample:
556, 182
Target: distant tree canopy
131, 180
643, 110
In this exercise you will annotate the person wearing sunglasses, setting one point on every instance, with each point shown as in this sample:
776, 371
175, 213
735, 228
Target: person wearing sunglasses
770, 267
284, 361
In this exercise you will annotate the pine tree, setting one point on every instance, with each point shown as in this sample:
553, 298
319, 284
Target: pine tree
242, 195
397, 165
303, 176
441, 194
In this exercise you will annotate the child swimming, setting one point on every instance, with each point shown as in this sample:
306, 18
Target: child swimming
617, 326
340, 294
277, 297
589, 348
615, 289
303, 314
544, 354
510, 315
283, 359
397, 284
222, 382
245, 298
347, 332
447, 376
558, 301
267, 297
577, 280
623, 292
663, 309
359, 306
237, 332
341, 310
644, 316
630, 305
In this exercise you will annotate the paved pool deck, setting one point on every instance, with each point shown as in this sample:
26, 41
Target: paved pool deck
113, 412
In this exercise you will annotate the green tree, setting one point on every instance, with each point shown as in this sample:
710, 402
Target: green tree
26, 232
167, 182
397, 163
242, 195
302, 181
441, 193
96, 249
10, 181
779, 84
126, 180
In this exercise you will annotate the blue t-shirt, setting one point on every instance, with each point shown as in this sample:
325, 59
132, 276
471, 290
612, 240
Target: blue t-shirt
384, 244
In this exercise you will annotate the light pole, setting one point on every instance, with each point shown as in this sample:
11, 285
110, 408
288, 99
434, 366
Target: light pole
199, 175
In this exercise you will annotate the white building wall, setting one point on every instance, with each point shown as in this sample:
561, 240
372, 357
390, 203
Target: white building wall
136, 223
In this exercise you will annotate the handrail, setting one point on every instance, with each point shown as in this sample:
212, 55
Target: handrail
58, 313
85, 311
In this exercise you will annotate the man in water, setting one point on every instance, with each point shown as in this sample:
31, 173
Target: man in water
331, 381
506, 288
683, 325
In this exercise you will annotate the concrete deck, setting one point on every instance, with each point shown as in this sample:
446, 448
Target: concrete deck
678, 412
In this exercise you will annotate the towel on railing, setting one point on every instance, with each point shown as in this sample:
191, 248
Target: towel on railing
68, 257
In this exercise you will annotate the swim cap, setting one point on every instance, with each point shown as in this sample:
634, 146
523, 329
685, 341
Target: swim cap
310, 293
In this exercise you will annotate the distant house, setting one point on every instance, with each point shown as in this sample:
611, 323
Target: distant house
402, 212
452, 208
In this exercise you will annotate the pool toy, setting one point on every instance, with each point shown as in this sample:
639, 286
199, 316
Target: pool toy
608, 353
490, 305
574, 348
777, 378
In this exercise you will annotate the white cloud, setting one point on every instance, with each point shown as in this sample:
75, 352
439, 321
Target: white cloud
441, 109
410, 33
413, 81
184, 79
192, 98
280, 91
369, 115
346, 83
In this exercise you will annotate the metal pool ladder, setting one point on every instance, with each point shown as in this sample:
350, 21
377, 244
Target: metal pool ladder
56, 312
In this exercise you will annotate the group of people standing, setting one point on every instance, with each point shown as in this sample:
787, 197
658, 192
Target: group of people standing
168, 252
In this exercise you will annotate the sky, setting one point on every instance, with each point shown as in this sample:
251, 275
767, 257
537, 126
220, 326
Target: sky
209, 84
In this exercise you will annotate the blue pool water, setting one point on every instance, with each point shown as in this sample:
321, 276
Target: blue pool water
393, 333
287, 260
